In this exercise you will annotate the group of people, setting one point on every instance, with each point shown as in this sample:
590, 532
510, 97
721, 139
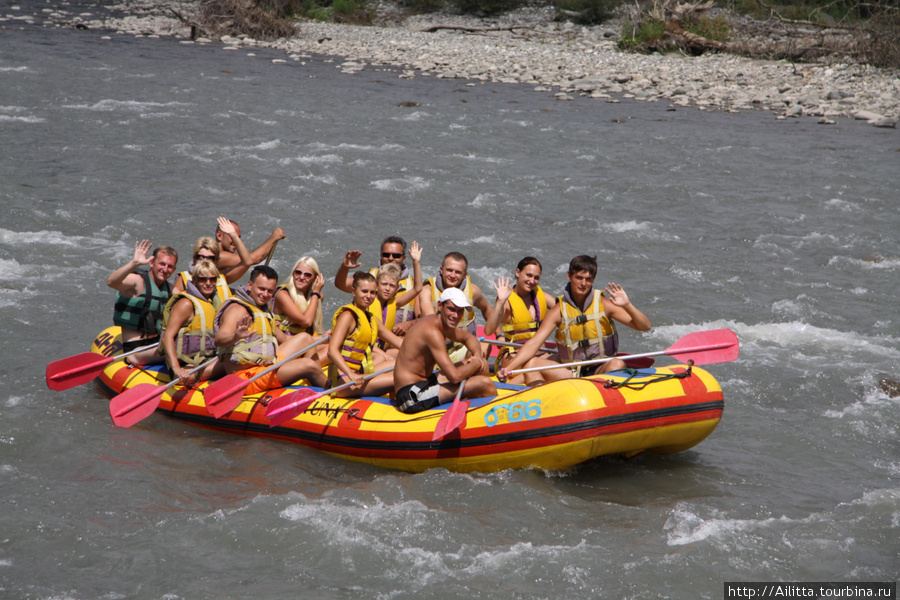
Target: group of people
414, 340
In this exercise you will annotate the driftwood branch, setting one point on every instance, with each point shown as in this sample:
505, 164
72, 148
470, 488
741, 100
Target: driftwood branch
179, 16
471, 29
774, 13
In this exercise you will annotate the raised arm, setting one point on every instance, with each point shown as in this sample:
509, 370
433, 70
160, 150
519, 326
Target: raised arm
425, 306
619, 307
415, 253
120, 281
234, 273
257, 256
498, 315
342, 279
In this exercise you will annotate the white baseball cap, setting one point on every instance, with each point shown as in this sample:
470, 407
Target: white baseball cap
456, 296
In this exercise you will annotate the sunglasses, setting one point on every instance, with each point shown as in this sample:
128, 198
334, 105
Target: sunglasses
205, 279
207, 256
391, 255
300, 273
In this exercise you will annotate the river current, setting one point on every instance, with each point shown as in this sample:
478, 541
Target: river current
784, 231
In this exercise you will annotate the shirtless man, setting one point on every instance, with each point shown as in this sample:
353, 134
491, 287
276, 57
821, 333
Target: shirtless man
583, 319
416, 386
393, 250
141, 297
249, 341
230, 263
454, 274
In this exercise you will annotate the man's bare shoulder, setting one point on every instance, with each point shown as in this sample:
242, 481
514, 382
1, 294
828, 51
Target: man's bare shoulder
132, 285
422, 329
228, 260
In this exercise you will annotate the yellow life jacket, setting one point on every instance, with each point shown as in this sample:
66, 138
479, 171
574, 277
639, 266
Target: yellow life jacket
285, 324
222, 289
523, 325
195, 340
407, 312
357, 346
585, 335
456, 351
386, 315
261, 347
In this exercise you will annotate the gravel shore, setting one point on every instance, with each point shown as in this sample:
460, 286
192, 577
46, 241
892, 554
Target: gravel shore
557, 58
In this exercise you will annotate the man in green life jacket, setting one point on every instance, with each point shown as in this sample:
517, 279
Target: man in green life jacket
141, 296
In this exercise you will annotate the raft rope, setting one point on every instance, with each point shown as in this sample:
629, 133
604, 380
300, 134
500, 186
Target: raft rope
643, 384
632, 373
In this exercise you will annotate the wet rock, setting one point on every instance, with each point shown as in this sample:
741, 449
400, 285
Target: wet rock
866, 115
884, 122
527, 46
890, 387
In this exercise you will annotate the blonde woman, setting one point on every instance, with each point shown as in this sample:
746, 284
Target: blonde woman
188, 334
298, 303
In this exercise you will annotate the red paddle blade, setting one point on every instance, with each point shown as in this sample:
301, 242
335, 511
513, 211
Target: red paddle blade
68, 372
284, 408
136, 404
451, 419
225, 395
706, 347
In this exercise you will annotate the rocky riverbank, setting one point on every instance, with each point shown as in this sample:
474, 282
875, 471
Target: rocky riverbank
559, 58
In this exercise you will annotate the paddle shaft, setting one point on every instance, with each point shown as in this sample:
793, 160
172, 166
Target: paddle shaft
100, 364
309, 399
598, 361
218, 401
271, 252
459, 392
159, 391
284, 360
514, 345
352, 383
191, 372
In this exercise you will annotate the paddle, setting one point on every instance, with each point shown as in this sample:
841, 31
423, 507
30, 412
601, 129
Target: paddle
284, 408
138, 403
640, 363
226, 394
703, 347
271, 252
512, 344
453, 416
68, 372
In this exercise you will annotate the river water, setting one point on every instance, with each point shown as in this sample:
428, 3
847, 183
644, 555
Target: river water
785, 231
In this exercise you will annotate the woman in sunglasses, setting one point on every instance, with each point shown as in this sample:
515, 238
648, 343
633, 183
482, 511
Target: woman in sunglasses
298, 303
188, 335
207, 248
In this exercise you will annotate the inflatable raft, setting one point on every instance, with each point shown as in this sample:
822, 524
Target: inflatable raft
553, 426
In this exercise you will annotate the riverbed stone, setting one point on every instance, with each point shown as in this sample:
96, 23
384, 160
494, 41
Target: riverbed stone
569, 58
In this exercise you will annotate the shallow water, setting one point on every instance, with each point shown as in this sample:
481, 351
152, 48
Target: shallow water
784, 231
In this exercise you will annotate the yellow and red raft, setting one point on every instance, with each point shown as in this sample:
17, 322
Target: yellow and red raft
553, 426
